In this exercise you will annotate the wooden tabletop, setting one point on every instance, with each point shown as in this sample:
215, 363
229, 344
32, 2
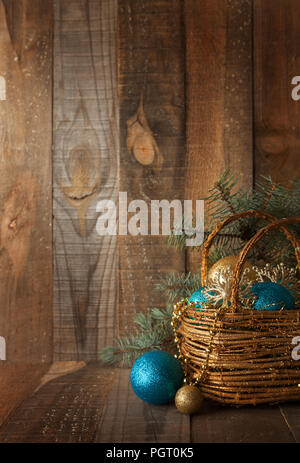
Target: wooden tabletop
96, 404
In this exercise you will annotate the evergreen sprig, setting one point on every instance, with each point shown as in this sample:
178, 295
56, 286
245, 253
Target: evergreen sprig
225, 198
179, 286
154, 333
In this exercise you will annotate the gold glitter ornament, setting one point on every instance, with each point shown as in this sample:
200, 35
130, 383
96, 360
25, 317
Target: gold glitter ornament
230, 262
188, 399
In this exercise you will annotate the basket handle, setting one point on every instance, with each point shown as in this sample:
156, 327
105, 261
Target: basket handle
244, 252
221, 225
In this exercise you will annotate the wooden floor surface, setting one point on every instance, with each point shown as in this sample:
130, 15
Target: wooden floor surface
96, 404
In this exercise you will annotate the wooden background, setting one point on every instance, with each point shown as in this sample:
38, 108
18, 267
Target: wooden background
85, 166
26, 283
150, 97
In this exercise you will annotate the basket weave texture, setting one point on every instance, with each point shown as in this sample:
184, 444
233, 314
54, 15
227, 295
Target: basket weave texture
243, 356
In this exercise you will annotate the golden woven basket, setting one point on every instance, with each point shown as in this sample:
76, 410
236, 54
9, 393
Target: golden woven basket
239, 355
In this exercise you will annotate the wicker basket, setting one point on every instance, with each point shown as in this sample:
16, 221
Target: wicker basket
239, 355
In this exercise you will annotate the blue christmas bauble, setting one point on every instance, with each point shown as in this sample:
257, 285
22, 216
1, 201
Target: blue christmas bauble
198, 298
156, 377
272, 296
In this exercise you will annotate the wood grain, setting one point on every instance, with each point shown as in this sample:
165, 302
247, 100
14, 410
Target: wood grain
218, 95
152, 141
67, 409
276, 62
93, 404
126, 418
291, 415
25, 185
17, 381
58, 369
85, 171
218, 424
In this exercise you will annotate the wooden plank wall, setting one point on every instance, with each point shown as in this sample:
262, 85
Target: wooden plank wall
218, 95
25, 192
276, 114
152, 141
25, 195
85, 161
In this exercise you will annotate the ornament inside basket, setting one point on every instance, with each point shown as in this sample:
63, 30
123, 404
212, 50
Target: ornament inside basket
235, 354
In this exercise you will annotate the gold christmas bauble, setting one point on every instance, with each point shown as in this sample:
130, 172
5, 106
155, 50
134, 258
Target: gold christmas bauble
188, 399
230, 262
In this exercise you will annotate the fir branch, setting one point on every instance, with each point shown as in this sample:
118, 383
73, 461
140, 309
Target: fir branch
276, 199
222, 239
179, 286
269, 196
154, 333
225, 195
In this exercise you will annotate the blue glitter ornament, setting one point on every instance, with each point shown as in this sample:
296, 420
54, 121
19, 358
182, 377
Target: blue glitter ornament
156, 377
272, 296
199, 298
